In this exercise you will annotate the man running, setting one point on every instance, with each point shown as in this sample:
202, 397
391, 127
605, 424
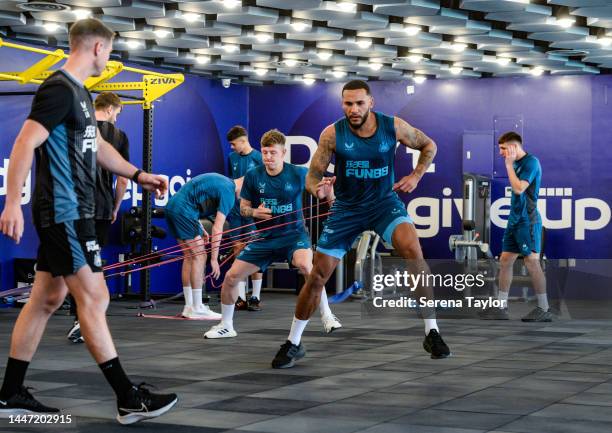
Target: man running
364, 146
272, 190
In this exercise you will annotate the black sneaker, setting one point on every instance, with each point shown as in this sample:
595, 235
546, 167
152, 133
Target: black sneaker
241, 304
288, 354
434, 344
254, 304
143, 404
74, 334
23, 403
494, 313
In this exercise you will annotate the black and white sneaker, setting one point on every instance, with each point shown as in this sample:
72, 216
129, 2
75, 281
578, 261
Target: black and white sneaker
74, 334
254, 304
23, 403
434, 344
143, 404
288, 354
220, 331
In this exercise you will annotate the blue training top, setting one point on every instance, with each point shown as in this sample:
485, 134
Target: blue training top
524, 207
364, 166
240, 164
205, 195
282, 194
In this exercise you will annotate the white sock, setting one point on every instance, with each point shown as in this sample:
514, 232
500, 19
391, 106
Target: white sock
297, 328
187, 296
241, 290
542, 301
503, 297
227, 316
197, 298
256, 288
430, 324
324, 305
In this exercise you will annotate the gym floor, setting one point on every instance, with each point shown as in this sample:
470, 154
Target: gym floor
371, 376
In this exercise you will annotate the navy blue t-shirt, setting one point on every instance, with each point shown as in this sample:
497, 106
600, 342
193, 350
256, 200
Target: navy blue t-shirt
240, 164
282, 194
524, 207
364, 166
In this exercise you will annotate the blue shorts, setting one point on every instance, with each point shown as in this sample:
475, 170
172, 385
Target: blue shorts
279, 249
183, 223
344, 225
235, 220
523, 239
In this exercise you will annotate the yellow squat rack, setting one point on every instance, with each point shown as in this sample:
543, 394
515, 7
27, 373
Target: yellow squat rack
153, 86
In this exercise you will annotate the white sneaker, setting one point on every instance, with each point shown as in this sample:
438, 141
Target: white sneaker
203, 312
186, 311
330, 322
220, 331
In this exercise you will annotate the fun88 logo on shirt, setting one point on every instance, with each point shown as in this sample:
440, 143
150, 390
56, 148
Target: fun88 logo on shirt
275, 207
362, 170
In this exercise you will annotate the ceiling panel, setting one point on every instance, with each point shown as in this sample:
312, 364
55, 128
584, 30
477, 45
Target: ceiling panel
327, 39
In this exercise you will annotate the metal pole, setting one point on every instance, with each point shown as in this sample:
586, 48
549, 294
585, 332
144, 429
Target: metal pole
147, 165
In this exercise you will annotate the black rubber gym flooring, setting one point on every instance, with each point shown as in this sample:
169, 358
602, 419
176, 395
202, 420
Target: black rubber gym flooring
372, 376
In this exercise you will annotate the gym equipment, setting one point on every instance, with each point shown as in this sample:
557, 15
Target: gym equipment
473, 244
153, 86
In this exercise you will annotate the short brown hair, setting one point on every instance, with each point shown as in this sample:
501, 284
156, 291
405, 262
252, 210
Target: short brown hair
272, 137
107, 99
510, 136
89, 27
356, 85
236, 132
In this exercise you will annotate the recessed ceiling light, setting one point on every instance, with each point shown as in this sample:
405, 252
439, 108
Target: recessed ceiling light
161, 33
455, 70
339, 74
537, 71
230, 4
260, 72
263, 37
324, 55
290, 62
191, 17
229, 48
605, 41
376, 66
81, 14
132, 43
566, 22
347, 6
299, 26
364, 43
308, 81
202, 59
412, 30
415, 58
419, 79
503, 61
51, 27
458, 47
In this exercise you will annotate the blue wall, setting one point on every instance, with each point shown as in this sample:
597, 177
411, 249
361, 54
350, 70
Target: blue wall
565, 121
189, 138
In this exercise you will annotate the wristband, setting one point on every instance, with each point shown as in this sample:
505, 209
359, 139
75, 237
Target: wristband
135, 175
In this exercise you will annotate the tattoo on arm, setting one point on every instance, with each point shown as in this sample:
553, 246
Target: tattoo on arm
321, 159
245, 208
414, 138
